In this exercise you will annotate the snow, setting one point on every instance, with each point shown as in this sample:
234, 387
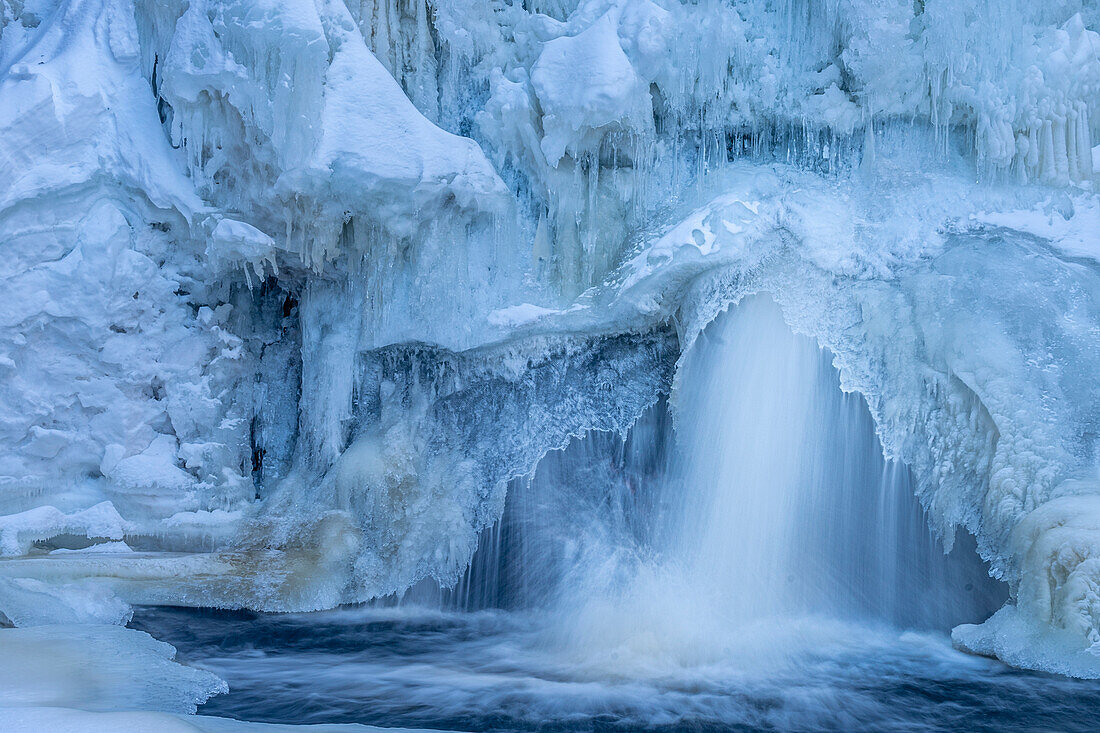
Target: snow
1070, 225
98, 668
106, 678
517, 315
293, 289
19, 531
29, 720
32, 602
585, 82
237, 242
107, 547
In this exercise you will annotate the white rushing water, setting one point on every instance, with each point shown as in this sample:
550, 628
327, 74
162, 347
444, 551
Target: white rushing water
776, 503
744, 523
787, 504
776, 506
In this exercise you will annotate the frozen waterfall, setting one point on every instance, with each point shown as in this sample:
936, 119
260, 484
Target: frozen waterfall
618, 327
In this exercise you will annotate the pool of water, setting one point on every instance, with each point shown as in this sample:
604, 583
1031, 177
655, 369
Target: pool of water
508, 671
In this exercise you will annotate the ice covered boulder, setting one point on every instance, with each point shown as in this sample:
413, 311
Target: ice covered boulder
19, 531
32, 602
1054, 623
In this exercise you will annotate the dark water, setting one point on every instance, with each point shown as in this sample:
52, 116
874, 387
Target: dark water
497, 671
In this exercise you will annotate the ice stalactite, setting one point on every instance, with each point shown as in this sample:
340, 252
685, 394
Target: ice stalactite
421, 466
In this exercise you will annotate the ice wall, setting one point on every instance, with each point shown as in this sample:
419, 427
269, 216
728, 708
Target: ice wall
297, 287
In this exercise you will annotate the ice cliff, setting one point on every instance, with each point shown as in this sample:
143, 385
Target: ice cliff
292, 288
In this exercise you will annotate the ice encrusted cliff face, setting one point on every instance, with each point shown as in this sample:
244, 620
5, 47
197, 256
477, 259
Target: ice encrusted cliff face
293, 288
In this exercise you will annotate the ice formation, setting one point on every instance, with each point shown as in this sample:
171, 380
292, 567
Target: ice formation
93, 679
293, 289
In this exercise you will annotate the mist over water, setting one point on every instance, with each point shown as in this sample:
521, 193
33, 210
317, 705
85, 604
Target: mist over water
776, 507
745, 556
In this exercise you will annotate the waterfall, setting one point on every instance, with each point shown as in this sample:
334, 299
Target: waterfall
769, 503
786, 504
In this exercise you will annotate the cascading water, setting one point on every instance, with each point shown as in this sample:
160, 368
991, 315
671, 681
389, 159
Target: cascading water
779, 506
770, 501
787, 506
758, 444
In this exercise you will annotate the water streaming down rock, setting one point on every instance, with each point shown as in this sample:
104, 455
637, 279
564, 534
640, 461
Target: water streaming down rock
785, 528
740, 570
674, 579
788, 506
770, 500
597, 502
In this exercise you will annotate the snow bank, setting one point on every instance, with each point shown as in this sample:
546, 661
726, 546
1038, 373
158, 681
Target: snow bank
107, 678
97, 668
30, 720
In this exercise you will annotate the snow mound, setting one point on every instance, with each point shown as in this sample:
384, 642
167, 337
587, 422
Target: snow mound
97, 668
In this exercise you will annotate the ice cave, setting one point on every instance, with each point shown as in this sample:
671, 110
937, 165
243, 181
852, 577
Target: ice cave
549, 365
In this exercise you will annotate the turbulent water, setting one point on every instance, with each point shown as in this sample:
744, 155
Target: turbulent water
501, 671
785, 503
519, 670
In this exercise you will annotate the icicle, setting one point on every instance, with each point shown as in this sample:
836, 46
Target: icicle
1072, 158
541, 249
1020, 161
867, 164
425, 67
1084, 142
1061, 158
1033, 153
383, 45
1049, 172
